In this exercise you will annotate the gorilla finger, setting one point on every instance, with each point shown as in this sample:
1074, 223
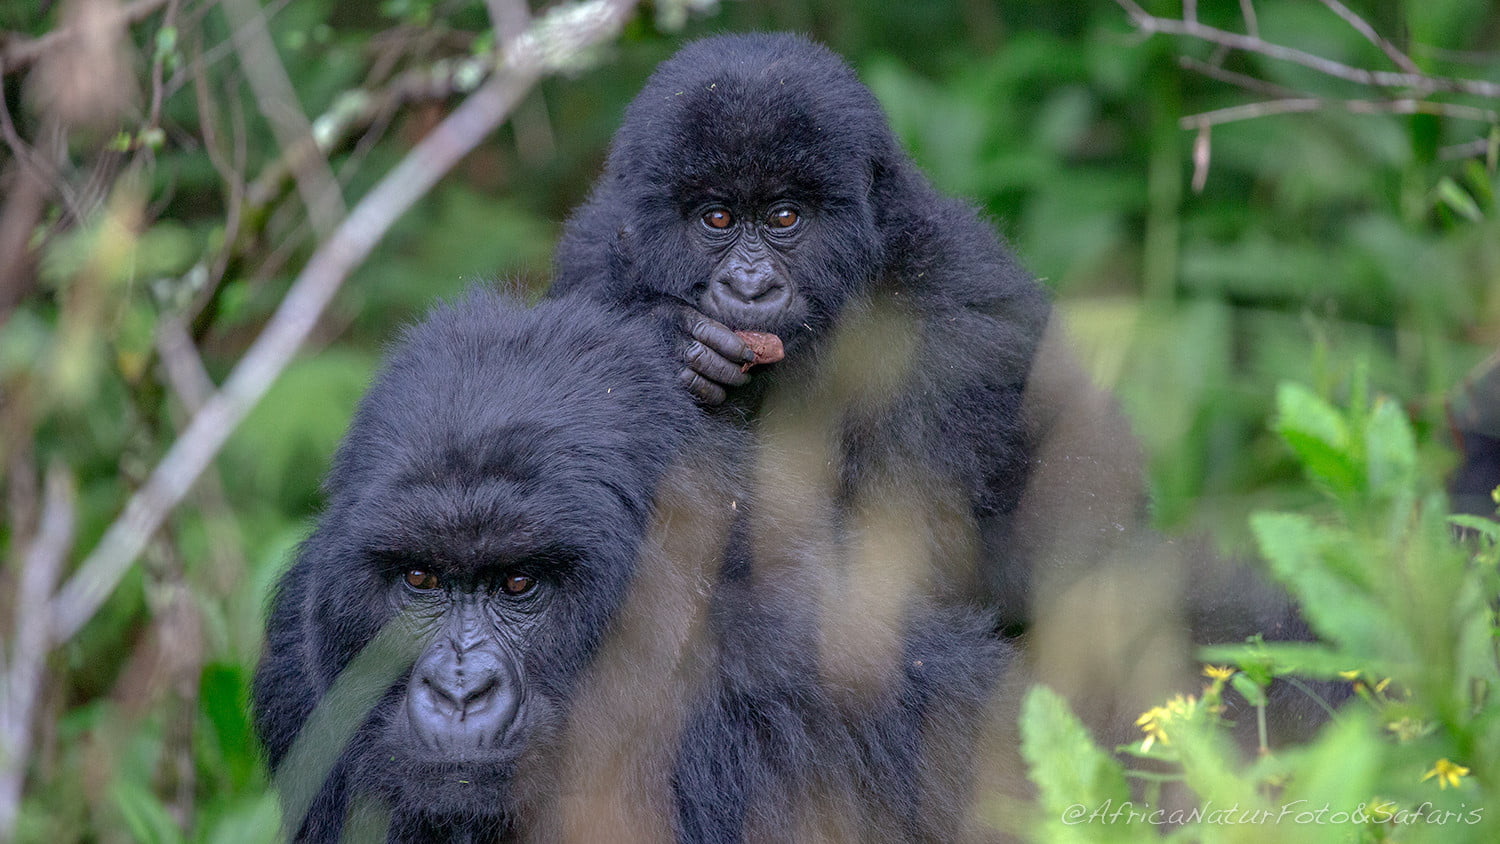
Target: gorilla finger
718, 337
702, 389
712, 365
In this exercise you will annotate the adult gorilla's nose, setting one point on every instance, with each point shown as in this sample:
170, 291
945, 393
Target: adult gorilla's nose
462, 699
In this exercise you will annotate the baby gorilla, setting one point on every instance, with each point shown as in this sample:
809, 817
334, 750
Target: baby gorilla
510, 622
755, 185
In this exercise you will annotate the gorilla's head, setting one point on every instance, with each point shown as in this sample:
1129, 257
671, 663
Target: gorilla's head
751, 168
485, 512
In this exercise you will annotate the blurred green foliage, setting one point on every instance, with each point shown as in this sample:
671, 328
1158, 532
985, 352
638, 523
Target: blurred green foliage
1401, 609
1330, 248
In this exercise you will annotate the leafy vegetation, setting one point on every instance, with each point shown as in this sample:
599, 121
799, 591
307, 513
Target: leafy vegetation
1404, 610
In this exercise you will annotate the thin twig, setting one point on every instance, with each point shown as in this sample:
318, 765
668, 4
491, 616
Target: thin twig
158, 67
588, 23
21, 54
31, 642
1240, 80
1421, 82
1477, 148
1252, 23
1302, 105
230, 168
1363, 27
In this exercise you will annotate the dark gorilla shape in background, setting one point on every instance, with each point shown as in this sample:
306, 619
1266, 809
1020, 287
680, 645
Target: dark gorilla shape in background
510, 623
925, 402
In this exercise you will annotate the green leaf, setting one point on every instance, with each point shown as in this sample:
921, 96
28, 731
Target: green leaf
1319, 435
1456, 198
1069, 769
255, 819
1307, 558
1390, 451
1304, 659
1341, 768
147, 819
1488, 528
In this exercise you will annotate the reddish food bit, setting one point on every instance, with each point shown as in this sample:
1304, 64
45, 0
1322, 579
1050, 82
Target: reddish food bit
767, 347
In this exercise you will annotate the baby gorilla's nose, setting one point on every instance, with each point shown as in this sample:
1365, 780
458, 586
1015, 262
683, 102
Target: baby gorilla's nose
749, 281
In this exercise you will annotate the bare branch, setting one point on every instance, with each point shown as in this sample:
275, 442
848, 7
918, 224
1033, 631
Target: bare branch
184, 368
1202, 151
278, 102
1477, 148
1363, 27
23, 53
1241, 80
509, 17
31, 641
1302, 105
550, 43
1420, 82
23, 208
1252, 23
533, 128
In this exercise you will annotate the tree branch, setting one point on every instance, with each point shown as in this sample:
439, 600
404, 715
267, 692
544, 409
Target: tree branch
1363, 27
278, 102
1301, 105
1420, 82
30, 644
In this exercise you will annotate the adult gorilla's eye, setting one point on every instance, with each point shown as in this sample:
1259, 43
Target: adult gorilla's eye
518, 584
718, 218
783, 218
422, 581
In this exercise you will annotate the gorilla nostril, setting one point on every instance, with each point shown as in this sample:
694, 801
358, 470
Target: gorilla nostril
441, 696
475, 698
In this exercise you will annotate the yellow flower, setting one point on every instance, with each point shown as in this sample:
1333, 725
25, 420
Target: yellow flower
1407, 728
1153, 722
1380, 687
1218, 672
1349, 675
1447, 773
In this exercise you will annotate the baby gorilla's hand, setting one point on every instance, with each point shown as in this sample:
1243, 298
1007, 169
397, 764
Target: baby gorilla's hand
715, 357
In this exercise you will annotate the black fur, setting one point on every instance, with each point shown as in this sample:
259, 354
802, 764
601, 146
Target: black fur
660, 700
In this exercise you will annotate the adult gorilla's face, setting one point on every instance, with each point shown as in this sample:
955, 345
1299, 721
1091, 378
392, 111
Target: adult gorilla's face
486, 511
474, 561
751, 183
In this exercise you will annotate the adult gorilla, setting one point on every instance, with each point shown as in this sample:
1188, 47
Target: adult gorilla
925, 404
510, 623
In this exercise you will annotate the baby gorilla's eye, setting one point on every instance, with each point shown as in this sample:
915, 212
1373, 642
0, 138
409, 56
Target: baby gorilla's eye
422, 581
718, 218
783, 218
518, 584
